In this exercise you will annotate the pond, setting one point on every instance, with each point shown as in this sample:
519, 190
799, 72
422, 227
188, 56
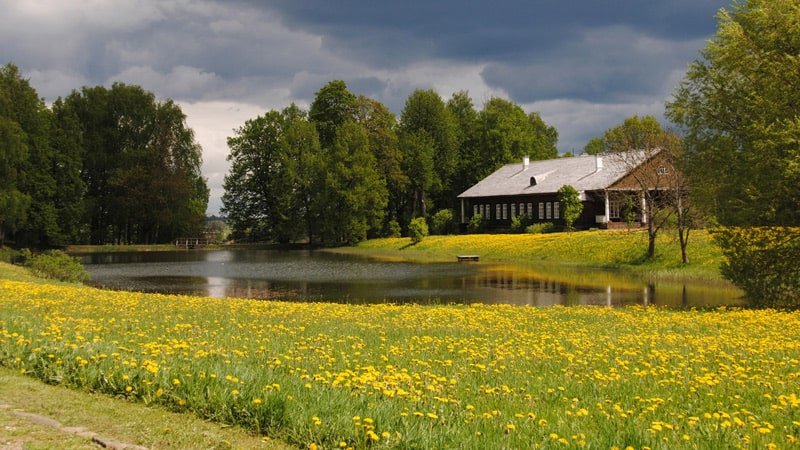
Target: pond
302, 275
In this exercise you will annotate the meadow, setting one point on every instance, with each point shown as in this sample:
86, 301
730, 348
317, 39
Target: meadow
601, 249
321, 375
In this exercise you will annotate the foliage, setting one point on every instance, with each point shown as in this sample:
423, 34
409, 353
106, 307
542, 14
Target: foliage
429, 129
333, 106
738, 106
763, 261
417, 229
642, 146
571, 205
57, 265
540, 228
628, 211
443, 222
392, 229
595, 146
477, 224
457, 376
141, 165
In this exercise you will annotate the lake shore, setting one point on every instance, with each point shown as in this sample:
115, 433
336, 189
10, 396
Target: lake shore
607, 250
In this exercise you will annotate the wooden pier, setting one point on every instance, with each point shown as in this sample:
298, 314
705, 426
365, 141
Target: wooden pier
462, 258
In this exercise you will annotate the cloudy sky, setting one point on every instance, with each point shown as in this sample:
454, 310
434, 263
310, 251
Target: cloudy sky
583, 65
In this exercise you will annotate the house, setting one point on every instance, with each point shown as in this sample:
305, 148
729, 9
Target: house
605, 184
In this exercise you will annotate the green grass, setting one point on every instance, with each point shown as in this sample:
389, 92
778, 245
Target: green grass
112, 418
619, 250
411, 376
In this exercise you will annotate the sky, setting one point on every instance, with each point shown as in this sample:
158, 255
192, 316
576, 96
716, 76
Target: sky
584, 66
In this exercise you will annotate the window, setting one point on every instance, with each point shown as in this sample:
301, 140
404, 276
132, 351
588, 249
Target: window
488, 211
505, 211
614, 210
556, 211
474, 210
530, 210
662, 170
522, 209
541, 211
549, 210
513, 210
499, 214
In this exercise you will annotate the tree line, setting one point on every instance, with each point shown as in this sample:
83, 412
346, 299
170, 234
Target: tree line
348, 169
101, 165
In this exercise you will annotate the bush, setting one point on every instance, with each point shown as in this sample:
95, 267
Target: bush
57, 265
539, 228
520, 223
417, 229
477, 224
392, 229
763, 262
442, 222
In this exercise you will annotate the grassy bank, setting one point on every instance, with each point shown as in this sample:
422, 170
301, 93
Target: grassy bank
115, 419
384, 376
622, 250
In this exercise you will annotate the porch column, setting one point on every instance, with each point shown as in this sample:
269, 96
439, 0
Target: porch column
644, 208
607, 210
462, 212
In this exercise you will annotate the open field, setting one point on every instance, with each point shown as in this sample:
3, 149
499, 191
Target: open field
625, 250
390, 376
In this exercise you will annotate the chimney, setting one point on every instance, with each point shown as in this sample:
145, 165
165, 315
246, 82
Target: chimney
598, 163
526, 162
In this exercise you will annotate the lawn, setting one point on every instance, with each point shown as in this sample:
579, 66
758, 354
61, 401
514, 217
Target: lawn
601, 249
404, 376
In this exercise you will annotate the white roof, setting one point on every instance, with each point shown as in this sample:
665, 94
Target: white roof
579, 171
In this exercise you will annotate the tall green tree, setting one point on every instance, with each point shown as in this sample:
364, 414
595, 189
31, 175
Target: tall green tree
14, 203
141, 166
425, 113
355, 195
333, 106
546, 138
380, 125
21, 105
468, 163
595, 146
739, 108
68, 200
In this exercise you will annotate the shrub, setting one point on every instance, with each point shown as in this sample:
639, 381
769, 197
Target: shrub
571, 205
392, 229
539, 228
762, 261
520, 223
57, 265
442, 222
477, 224
417, 229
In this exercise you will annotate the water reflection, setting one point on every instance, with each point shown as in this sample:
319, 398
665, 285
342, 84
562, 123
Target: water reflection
320, 276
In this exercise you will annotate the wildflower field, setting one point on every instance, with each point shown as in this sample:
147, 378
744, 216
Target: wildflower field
389, 376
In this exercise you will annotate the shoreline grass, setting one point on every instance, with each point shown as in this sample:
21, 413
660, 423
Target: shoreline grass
623, 251
409, 376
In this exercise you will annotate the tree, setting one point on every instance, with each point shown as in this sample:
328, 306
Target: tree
381, 125
468, 163
333, 106
647, 153
68, 200
595, 146
546, 138
418, 163
355, 194
141, 166
13, 203
739, 109
426, 118
571, 205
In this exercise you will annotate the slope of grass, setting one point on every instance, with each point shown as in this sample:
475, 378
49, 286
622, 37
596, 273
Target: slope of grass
592, 249
410, 376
